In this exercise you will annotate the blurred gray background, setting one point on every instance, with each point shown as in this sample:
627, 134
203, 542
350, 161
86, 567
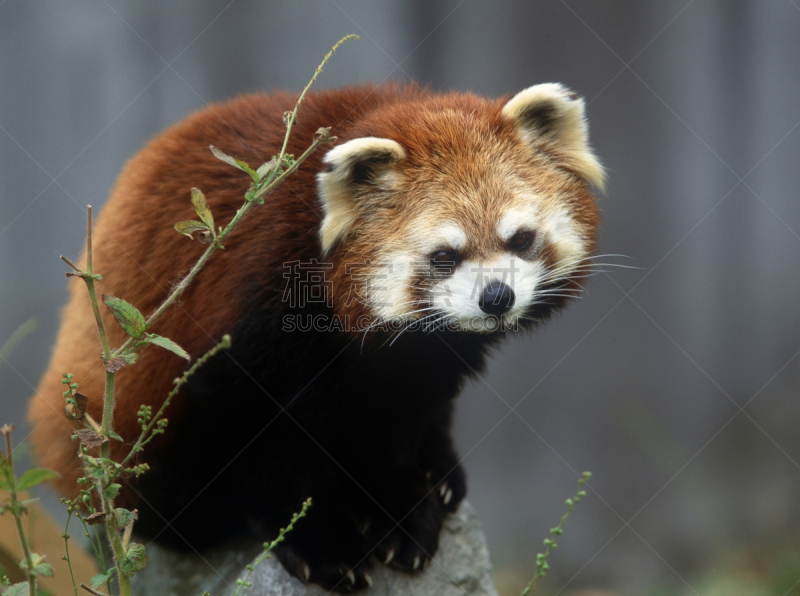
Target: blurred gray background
676, 383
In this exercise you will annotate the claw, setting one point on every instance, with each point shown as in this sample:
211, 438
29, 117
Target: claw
365, 526
367, 579
352, 577
417, 561
442, 489
306, 572
448, 496
389, 556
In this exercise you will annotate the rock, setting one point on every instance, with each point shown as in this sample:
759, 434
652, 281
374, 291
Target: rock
460, 567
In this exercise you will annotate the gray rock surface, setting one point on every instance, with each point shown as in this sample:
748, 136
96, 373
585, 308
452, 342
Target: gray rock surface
460, 567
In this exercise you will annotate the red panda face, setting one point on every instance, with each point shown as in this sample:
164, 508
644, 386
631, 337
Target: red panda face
477, 219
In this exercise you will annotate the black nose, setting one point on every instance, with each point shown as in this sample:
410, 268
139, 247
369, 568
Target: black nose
497, 298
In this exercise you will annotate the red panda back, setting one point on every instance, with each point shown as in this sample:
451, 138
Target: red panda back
141, 256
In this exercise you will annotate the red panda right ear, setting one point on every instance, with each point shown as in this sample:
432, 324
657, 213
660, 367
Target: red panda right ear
353, 166
552, 114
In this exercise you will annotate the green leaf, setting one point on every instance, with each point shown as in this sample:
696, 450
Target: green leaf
118, 362
101, 578
94, 467
134, 560
125, 517
40, 565
266, 168
17, 509
167, 344
221, 155
202, 208
288, 161
114, 435
236, 163
111, 491
127, 315
245, 167
35, 476
188, 227
44, 569
20, 589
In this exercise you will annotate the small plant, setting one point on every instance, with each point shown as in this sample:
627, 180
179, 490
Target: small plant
34, 565
268, 546
100, 481
550, 543
102, 472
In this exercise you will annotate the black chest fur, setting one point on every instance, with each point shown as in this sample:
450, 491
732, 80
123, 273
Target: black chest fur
360, 427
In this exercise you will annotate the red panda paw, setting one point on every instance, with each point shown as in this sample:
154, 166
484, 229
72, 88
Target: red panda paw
445, 476
450, 488
409, 543
335, 572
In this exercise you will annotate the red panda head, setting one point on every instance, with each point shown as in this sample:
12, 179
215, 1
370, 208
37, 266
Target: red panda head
461, 212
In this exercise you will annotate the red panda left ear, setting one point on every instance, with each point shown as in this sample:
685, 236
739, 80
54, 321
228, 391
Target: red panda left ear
353, 167
552, 114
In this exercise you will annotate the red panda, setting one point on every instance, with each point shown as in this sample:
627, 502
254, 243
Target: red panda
359, 298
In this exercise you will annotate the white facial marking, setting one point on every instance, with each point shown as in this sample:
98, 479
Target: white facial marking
516, 219
447, 235
387, 287
562, 232
454, 298
458, 296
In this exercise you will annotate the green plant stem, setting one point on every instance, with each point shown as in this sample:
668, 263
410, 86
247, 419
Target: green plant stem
550, 543
321, 140
118, 550
18, 514
300, 99
91, 590
264, 186
108, 400
268, 546
88, 277
268, 185
95, 543
19, 334
108, 412
23, 539
108, 396
66, 557
143, 437
240, 214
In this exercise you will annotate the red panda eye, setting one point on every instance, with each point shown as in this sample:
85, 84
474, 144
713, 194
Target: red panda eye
521, 241
444, 258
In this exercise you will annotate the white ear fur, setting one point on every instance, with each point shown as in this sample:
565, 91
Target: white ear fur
358, 162
552, 113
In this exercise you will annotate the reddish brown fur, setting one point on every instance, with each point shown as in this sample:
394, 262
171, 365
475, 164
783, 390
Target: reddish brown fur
140, 256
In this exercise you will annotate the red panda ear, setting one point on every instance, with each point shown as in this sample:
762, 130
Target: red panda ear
552, 114
352, 167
